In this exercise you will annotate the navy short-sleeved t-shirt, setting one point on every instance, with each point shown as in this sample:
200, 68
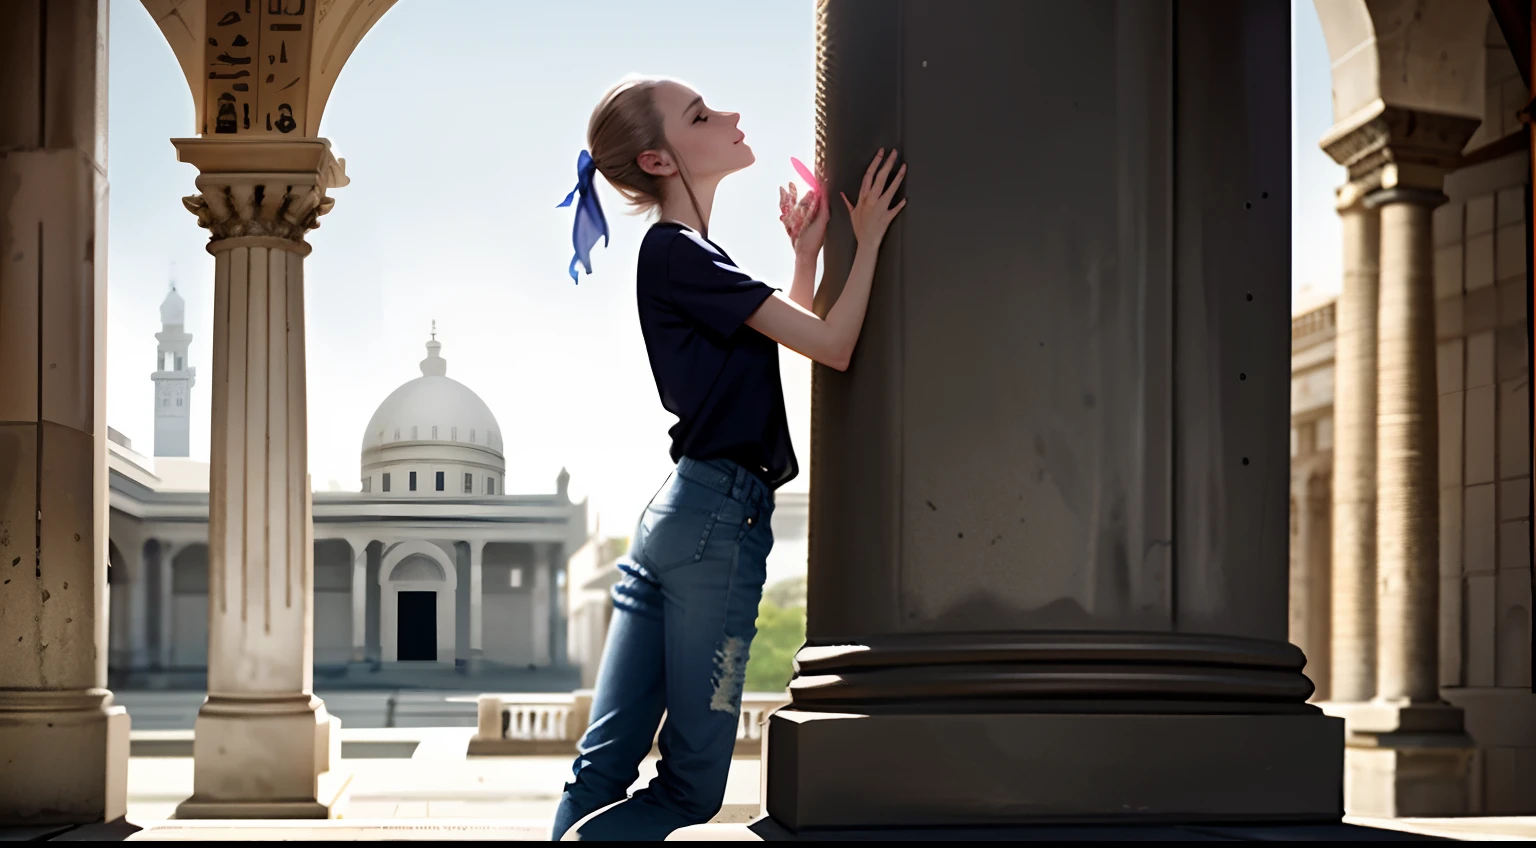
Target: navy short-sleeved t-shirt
717, 375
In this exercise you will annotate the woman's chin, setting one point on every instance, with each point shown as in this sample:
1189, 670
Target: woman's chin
745, 158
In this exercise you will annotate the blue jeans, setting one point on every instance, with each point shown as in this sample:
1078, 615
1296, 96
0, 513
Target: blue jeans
685, 612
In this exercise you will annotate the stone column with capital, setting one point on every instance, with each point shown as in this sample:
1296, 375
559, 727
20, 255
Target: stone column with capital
138, 605
542, 609
1048, 556
265, 745
1310, 601
557, 608
359, 599
1408, 503
165, 603
476, 605
1408, 753
63, 744
1353, 635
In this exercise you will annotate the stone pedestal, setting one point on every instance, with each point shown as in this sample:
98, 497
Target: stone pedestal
63, 744
1405, 760
265, 746
1048, 556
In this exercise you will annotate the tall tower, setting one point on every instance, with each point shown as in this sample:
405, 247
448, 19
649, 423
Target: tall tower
173, 379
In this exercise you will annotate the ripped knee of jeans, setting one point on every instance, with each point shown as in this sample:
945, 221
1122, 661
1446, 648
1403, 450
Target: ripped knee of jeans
730, 675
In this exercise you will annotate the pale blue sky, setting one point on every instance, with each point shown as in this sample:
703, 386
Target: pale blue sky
1317, 247
458, 152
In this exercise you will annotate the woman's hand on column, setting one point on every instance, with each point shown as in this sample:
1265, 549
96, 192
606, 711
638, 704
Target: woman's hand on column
873, 213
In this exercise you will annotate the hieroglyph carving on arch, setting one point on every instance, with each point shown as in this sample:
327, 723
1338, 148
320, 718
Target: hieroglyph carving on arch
257, 57
263, 67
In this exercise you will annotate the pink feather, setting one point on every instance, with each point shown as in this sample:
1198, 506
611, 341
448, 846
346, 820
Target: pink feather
805, 174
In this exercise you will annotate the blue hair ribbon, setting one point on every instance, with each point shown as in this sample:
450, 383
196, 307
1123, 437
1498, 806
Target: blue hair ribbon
590, 223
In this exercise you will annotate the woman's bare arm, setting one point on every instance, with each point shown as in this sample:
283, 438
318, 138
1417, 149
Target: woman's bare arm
802, 290
831, 341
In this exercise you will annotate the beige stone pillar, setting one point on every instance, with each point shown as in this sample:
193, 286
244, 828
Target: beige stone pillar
1353, 672
264, 745
1408, 504
542, 610
476, 602
359, 599
63, 745
138, 605
1310, 581
1406, 752
165, 606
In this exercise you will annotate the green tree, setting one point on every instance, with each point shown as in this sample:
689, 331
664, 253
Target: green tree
780, 633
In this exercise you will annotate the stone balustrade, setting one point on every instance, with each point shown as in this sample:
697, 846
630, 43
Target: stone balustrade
524, 724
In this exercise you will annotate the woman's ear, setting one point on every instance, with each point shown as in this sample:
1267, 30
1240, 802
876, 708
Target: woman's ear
656, 163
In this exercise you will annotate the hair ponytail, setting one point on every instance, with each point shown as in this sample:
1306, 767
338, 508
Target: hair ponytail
624, 125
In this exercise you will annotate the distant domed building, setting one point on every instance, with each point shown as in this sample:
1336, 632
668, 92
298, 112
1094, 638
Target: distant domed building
433, 435
432, 562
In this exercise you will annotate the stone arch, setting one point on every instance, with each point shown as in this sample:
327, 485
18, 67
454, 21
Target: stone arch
339, 25
398, 553
1418, 54
189, 569
417, 566
188, 596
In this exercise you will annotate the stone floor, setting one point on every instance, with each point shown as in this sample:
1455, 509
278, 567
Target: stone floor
436, 783
417, 784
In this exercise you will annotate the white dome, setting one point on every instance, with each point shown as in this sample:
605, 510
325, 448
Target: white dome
434, 408
173, 310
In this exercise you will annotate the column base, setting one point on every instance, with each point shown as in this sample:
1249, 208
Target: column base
767, 830
855, 770
1405, 760
331, 792
265, 758
65, 757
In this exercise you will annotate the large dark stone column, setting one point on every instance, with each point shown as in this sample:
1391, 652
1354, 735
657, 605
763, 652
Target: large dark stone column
1048, 569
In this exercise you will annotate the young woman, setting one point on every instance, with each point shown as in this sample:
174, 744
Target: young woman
685, 610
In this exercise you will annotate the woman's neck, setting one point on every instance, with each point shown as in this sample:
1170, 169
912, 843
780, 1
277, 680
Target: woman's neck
676, 205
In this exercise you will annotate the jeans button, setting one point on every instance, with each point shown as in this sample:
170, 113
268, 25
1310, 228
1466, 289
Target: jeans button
749, 521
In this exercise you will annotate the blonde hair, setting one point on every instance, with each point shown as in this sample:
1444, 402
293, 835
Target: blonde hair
625, 124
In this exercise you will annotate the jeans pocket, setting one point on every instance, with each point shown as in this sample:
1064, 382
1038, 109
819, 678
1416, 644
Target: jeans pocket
672, 536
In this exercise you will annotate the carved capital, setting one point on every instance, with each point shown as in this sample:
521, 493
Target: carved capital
1388, 146
257, 206
261, 189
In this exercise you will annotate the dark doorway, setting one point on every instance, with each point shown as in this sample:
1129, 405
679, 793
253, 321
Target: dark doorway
417, 626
